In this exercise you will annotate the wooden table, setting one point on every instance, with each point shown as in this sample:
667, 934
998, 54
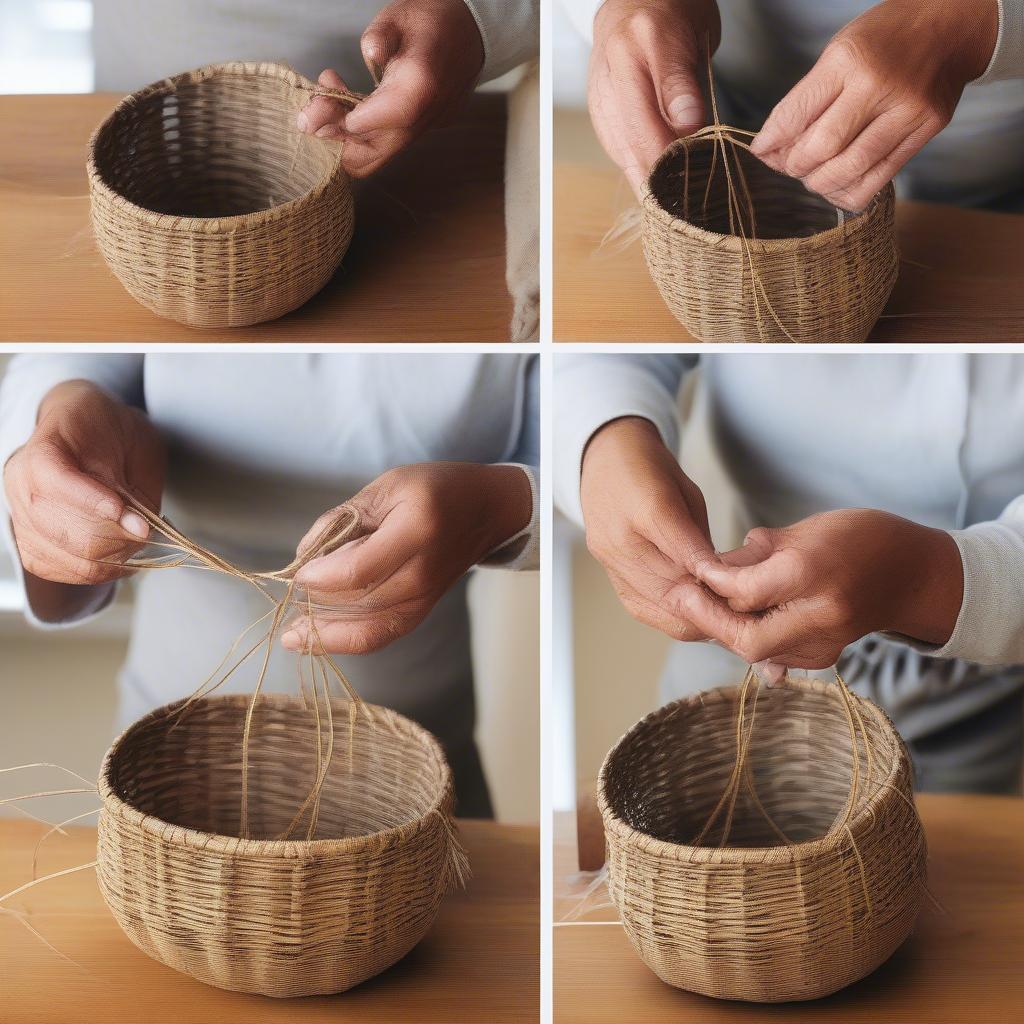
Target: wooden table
969, 280
479, 962
964, 965
427, 262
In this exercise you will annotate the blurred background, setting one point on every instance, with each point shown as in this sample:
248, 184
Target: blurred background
46, 46
59, 689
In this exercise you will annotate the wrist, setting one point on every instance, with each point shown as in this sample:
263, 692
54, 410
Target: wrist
508, 505
970, 29
633, 433
932, 586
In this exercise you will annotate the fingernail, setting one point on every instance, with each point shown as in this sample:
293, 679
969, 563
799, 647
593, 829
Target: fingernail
329, 131
302, 121
290, 639
685, 111
133, 523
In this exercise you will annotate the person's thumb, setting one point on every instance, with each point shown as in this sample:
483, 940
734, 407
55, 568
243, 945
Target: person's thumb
677, 67
681, 100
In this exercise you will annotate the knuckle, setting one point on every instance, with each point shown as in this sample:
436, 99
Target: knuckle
641, 24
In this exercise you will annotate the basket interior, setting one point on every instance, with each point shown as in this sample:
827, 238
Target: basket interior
665, 776
782, 207
190, 773
217, 147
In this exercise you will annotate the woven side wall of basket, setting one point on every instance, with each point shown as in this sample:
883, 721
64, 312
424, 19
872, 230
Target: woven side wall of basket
805, 277
758, 919
264, 915
208, 203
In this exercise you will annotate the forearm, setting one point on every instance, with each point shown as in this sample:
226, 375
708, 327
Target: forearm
510, 30
592, 390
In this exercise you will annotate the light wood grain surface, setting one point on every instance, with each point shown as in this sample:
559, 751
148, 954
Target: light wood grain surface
479, 963
427, 262
963, 268
965, 963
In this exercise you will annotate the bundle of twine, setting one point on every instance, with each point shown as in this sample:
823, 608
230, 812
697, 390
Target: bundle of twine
768, 866
208, 203
266, 843
742, 253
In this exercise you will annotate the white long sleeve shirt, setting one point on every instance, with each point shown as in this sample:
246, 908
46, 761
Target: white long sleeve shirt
768, 45
138, 43
259, 446
936, 438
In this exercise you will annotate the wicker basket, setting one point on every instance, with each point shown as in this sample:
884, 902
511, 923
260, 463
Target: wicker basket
209, 204
824, 276
280, 918
759, 920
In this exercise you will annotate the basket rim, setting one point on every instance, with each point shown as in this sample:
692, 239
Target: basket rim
277, 849
210, 225
854, 223
752, 855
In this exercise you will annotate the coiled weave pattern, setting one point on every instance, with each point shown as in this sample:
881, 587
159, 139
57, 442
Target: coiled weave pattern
267, 915
208, 203
804, 271
757, 918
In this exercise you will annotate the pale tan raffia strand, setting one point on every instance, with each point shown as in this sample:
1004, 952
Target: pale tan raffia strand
743, 916
194, 857
208, 203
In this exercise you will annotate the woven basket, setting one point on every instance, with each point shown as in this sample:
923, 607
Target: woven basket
208, 203
824, 276
758, 920
280, 918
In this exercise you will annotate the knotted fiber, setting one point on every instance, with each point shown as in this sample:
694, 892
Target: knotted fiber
208, 203
799, 879
741, 253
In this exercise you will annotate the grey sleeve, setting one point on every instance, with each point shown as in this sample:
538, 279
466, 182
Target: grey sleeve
510, 30
1008, 56
28, 379
522, 551
591, 390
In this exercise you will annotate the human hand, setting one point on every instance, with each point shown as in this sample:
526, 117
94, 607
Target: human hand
70, 523
426, 56
643, 88
801, 594
646, 521
886, 84
427, 525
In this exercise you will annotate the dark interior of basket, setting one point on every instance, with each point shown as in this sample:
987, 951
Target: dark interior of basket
187, 770
690, 182
219, 147
666, 776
